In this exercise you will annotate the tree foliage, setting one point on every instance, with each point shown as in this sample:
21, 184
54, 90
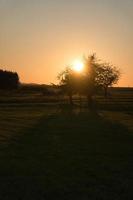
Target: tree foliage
67, 82
107, 75
95, 75
8, 80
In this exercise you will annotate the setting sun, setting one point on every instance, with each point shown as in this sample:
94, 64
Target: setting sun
78, 66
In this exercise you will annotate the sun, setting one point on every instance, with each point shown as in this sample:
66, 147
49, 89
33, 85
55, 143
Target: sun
78, 66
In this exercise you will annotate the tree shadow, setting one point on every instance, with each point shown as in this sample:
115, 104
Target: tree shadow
73, 153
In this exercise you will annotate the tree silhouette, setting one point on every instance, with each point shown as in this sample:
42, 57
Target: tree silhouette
95, 75
100, 75
66, 79
107, 75
90, 77
8, 80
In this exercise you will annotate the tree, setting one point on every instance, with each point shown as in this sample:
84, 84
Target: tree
95, 75
107, 75
90, 77
66, 79
100, 75
8, 80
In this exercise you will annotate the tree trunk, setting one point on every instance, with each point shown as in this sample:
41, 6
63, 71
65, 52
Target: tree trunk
90, 101
106, 92
80, 100
70, 99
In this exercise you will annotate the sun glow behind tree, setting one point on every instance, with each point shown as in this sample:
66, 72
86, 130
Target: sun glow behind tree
78, 66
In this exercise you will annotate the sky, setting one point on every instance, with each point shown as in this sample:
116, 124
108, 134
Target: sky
38, 38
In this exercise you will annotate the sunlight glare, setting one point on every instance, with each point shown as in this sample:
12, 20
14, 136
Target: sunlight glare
78, 66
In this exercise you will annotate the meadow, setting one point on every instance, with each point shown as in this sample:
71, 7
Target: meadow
49, 150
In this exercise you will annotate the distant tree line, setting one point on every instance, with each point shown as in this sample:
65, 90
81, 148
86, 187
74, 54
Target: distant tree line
96, 76
8, 80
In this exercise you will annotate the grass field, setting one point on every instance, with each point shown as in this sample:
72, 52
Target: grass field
51, 151
118, 99
56, 152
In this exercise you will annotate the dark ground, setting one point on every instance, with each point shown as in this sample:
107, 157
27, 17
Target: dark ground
64, 154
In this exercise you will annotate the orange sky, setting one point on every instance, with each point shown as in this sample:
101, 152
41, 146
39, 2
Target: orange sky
39, 37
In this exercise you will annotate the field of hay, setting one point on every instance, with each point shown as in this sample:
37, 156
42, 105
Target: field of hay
51, 151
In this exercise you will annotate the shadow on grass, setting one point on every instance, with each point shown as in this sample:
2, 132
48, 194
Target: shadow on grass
71, 154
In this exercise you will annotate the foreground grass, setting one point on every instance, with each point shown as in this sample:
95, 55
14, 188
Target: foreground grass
15, 120
65, 154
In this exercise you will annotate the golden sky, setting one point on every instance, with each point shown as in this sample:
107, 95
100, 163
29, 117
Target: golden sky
39, 37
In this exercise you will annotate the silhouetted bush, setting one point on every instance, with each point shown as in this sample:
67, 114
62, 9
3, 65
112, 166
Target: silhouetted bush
8, 80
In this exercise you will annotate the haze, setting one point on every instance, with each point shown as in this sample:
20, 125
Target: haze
39, 37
